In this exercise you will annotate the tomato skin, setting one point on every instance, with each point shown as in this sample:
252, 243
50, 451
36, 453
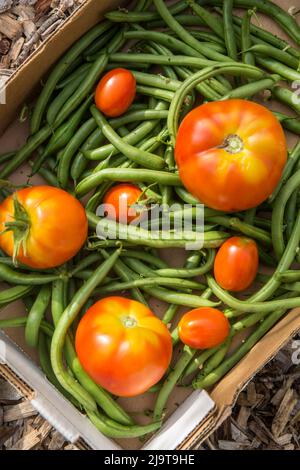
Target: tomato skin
230, 181
121, 197
236, 264
125, 360
203, 328
58, 226
115, 92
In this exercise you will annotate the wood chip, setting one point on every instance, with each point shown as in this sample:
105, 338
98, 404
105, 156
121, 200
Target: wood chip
231, 445
42, 7
71, 447
11, 28
24, 12
15, 412
28, 441
283, 413
16, 49
251, 394
4, 46
5, 5
243, 417
57, 441
258, 432
8, 393
29, 28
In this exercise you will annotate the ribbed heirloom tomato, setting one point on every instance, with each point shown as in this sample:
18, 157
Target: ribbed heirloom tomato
120, 201
123, 346
203, 328
236, 264
115, 92
42, 226
230, 154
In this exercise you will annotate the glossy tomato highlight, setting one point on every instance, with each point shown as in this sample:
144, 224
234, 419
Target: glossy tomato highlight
123, 346
236, 264
115, 92
230, 154
203, 328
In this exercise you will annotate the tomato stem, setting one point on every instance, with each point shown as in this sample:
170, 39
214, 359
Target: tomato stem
233, 144
129, 322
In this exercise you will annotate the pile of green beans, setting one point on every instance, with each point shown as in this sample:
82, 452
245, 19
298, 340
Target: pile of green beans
191, 52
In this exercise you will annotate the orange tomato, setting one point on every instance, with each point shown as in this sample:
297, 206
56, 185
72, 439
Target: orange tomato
123, 346
50, 224
230, 154
236, 264
120, 199
203, 328
115, 92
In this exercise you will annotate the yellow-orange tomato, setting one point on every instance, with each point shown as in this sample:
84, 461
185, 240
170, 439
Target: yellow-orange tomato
203, 328
123, 346
120, 201
51, 223
230, 154
236, 264
115, 92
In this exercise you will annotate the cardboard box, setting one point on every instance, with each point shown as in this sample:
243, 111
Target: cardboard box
200, 413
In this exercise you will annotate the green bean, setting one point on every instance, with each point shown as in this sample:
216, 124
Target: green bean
239, 353
186, 196
28, 279
85, 263
7, 156
72, 146
246, 42
268, 37
145, 256
133, 137
184, 19
198, 361
65, 82
216, 359
157, 93
141, 17
286, 97
198, 77
59, 71
164, 39
291, 213
192, 262
171, 282
120, 174
25, 152
166, 295
228, 29
277, 54
144, 158
163, 239
102, 41
16, 322
189, 272
14, 293
125, 274
83, 90
207, 18
286, 21
279, 68
246, 229
110, 428
36, 315
63, 325
251, 89
47, 175
62, 135
287, 171
278, 211
62, 97
290, 123
184, 35
171, 380
251, 306
289, 276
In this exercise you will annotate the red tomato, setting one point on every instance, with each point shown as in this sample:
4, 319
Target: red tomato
121, 198
123, 346
115, 92
51, 223
230, 154
203, 328
236, 264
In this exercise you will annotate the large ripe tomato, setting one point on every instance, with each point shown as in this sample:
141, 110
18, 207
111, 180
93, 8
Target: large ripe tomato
120, 201
230, 154
115, 92
236, 264
42, 226
123, 346
203, 328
